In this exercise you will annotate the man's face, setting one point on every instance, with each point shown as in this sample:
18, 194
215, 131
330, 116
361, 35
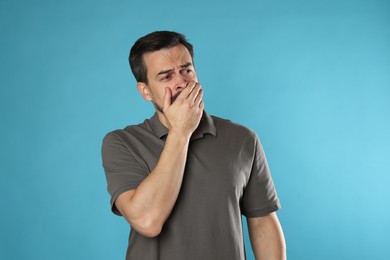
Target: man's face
172, 68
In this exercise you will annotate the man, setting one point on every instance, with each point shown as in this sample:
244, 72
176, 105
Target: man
183, 178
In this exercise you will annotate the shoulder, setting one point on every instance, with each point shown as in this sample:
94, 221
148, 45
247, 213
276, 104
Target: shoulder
232, 129
128, 132
120, 143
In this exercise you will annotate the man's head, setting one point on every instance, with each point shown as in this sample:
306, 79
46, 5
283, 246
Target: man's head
159, 61
153, 42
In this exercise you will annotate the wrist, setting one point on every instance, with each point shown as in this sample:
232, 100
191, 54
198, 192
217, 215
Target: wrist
179, 134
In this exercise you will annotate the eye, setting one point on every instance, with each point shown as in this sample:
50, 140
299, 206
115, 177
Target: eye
167, 77
187, 71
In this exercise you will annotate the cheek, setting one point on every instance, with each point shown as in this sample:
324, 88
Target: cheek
159, 93
194, 77
191, 77
154, 91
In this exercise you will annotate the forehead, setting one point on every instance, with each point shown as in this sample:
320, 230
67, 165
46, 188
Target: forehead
166, 58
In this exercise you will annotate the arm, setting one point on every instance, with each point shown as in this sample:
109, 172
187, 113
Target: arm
148, 206
267, 237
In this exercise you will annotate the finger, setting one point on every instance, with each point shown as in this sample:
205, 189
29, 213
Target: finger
167, 98
201, 105
195, 92
189, 88
198, 97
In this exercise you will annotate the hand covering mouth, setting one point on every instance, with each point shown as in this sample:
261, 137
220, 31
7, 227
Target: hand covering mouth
174, 97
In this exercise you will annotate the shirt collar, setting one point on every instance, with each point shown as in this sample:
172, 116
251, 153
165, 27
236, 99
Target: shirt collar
206, 126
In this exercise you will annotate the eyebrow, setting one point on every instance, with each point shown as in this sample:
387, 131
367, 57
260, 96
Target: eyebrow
186, 65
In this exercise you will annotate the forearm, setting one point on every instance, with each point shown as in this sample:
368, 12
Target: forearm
155, 197
148, 206
267, 238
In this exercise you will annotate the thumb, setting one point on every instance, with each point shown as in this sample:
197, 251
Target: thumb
167, 98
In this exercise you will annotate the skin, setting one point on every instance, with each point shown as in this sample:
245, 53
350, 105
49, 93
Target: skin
169, 71
174, 90
267, 239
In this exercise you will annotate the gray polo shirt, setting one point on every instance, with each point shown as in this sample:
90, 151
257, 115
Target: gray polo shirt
226, 175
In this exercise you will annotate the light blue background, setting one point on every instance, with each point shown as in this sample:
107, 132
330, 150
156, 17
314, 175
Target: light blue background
312, 78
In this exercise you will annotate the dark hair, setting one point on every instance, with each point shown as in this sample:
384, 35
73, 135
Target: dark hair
153, 42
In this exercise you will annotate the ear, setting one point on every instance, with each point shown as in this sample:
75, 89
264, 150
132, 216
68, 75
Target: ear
144, 90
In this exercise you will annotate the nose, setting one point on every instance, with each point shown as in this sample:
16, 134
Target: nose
180, 84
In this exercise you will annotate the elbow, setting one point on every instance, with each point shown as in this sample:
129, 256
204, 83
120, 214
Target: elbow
148, 224
147, 227
150, 230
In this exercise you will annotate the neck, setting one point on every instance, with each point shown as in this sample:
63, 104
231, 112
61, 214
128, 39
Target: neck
162, 119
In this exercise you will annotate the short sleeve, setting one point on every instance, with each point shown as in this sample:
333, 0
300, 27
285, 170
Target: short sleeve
123, 171
259, 196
